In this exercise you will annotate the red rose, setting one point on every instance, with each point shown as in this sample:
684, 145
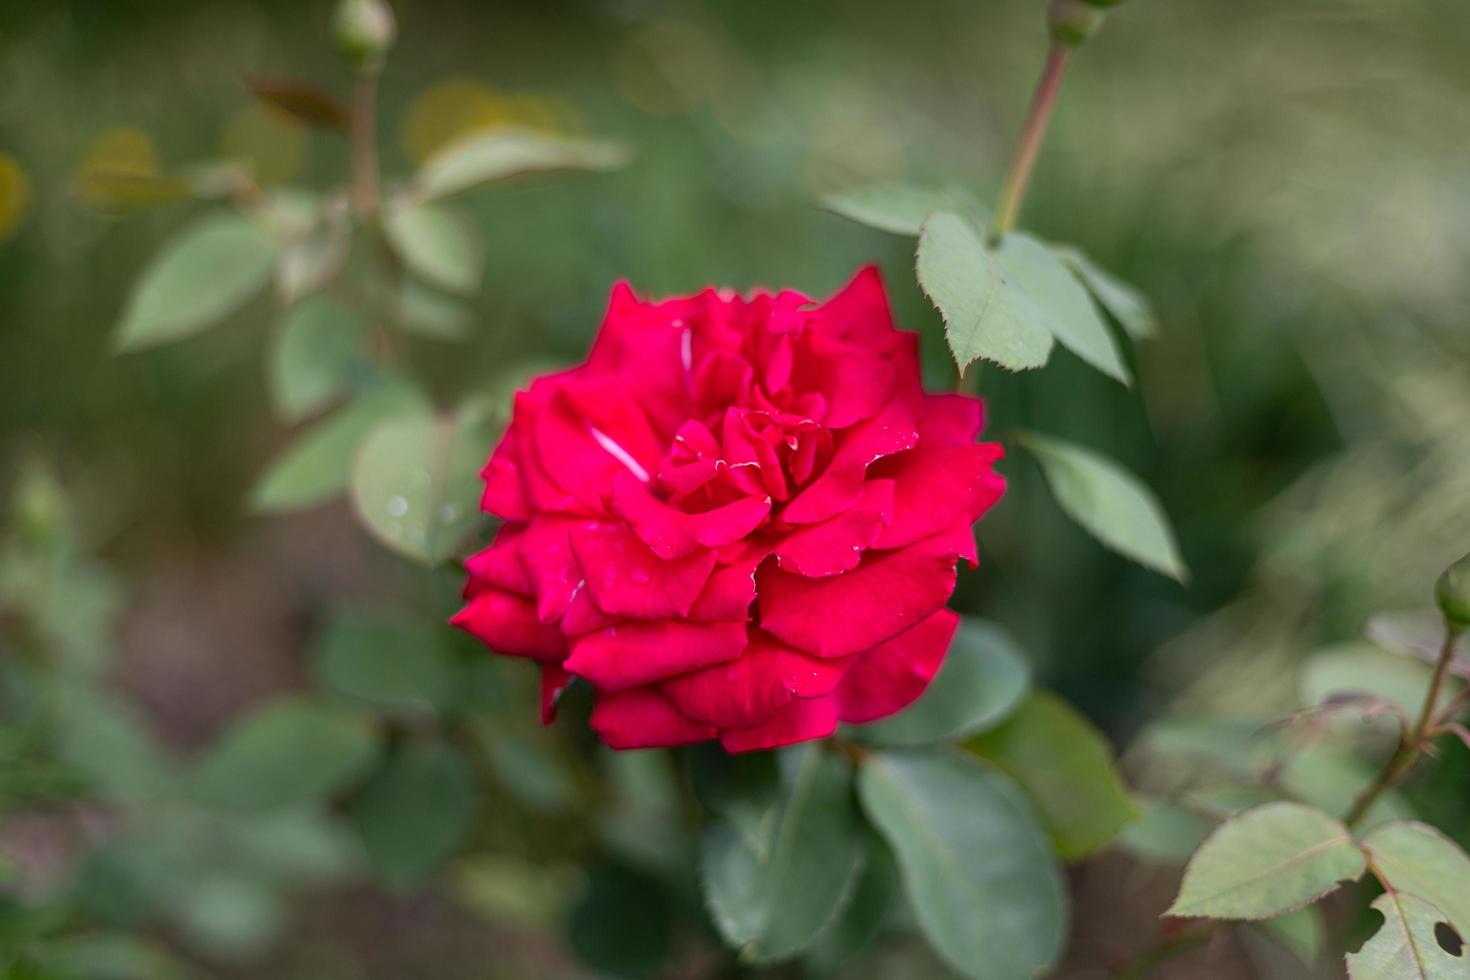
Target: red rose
739, 519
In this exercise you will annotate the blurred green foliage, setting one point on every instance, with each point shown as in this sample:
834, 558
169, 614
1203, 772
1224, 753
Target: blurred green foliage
1284, 180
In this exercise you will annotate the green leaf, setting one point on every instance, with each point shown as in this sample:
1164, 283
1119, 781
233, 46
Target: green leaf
1124, 303
201, 276
429, 313
1414, 857
1166, 833
1266, 862
1330, 776
315, 355
1300, 931
742, 790
774, 908
529, 770
1109, 502
732, 876
1418, 633
623, 924
387, 663
503, 153
1407, 947
288, 751
876, 893
982, 680
107, 740
986, 313
1066, 766
416, 484
1069, 312
976, 866
312, 258
437, 244
315, 468
230, 915
413, 813
1361, 669
902, 208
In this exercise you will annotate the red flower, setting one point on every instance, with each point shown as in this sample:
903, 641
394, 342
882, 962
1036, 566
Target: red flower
739, 519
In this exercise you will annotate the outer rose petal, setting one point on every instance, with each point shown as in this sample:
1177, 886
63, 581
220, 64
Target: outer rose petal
641, 718
546, 551
949, 420
836, 545
844, 614
625, 578
508, 624
571, 455
505, 488
892, 675
749, 690
934, 488
841, 484
500, 565
634, 653
583, 616
858, 312
801, 720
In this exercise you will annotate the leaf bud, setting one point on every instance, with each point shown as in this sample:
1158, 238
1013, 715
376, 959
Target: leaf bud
1072, 22
365, 31
1452, 592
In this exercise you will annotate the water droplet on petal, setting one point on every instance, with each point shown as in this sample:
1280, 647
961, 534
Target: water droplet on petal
397, 506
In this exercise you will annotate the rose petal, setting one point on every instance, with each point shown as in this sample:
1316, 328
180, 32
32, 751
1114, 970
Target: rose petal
671, 532
583, 616
634, 653
508, 624
625, 578
505, 489
641, 718
801, 720
554, 680
948, 420
892, 675
856, 381
841, 484
836, 545
546, 551
935, 488
749, 690
572, 456
844, 614
858, 312
729, 592
500, 565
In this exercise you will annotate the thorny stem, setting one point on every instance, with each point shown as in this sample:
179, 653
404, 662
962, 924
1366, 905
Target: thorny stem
1027, 147
1411, 748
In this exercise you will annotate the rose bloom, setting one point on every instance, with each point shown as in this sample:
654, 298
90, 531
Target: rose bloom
739, 519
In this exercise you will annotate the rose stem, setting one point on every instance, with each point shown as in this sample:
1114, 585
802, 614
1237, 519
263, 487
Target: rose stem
1027, 147
1411, 748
